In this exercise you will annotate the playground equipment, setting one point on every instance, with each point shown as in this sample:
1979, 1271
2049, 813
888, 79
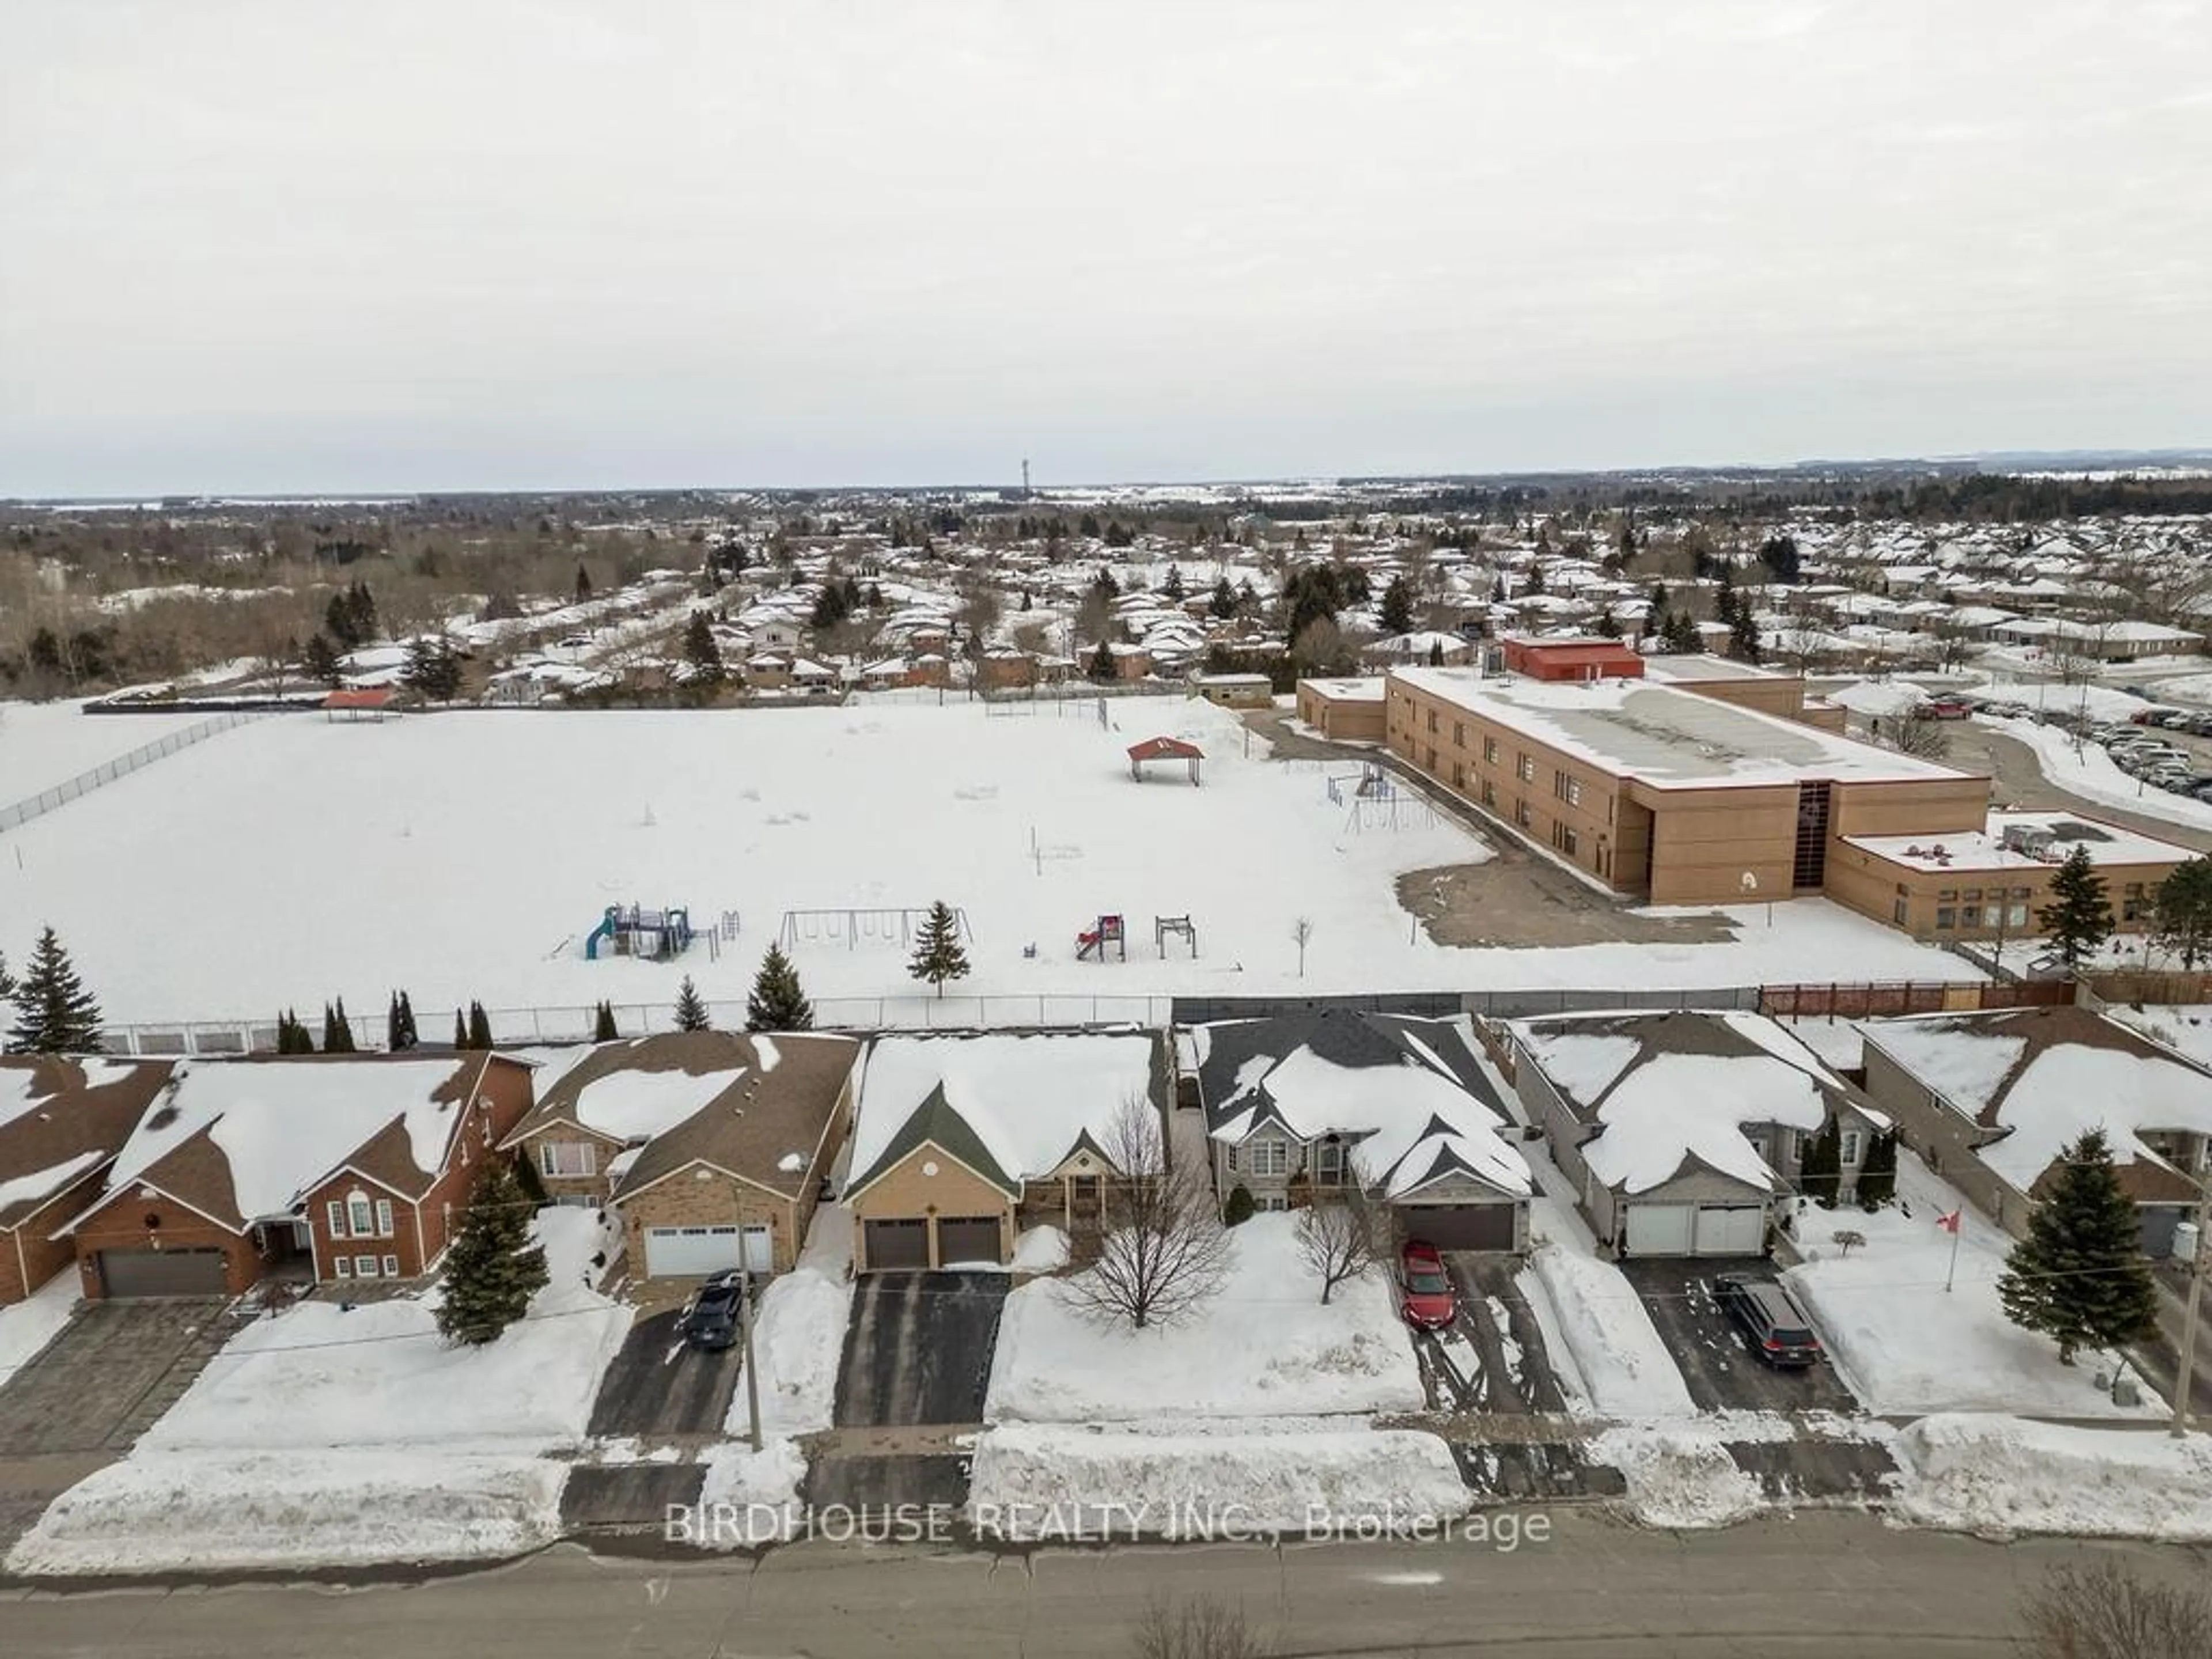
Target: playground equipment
1096, 939
855, 926
1374, 801
1156, 749
1180, 926
657, 935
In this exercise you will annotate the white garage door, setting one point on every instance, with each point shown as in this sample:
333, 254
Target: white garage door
693, 1252
1738, 1230
1659, 1228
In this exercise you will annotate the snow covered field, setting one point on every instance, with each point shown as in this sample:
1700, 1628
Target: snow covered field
44, 744
1903, 1343
466, 856
322, 1436
1264, 1348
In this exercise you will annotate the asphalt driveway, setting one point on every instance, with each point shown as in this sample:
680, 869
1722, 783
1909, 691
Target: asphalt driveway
1716, 1363
919, 1347
113, 1369
659, 1387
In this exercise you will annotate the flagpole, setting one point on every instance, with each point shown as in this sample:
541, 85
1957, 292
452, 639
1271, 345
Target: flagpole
1958, 1226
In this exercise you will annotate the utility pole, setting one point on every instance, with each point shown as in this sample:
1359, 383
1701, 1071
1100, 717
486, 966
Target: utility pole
2184, 1378
752, 1371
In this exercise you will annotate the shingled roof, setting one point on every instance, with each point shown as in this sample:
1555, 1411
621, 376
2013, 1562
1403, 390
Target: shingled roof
764, 1129
62, 1117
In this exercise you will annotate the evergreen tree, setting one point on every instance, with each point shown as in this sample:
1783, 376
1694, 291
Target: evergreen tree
1608, 625
492, 1269
407, 1022
460, 1030
1104, 582
392, 1034
479, 1026
1658, 598
1683, 638
1878, 1170
2181, 911
1780, 556
690, 1007
1223, 605
1396, 614
319, 661
1743, 636
1498, 590
701, 651
1535, 584
1820, 1172
1724, 597
6, 979
1436, 654
2079, 1276
2079, 918
292, 1036
338, 1030
1103, 666
604, 1029
830, 607
938, 954
583, 584
54, 1014
1171, 585
777, 1002
433, 669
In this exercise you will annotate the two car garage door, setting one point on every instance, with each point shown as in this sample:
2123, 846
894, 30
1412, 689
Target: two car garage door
1696, 1229
128, 1273
694, 1252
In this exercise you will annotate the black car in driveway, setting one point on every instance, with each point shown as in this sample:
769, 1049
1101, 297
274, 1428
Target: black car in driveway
1773, 1324
711, 1321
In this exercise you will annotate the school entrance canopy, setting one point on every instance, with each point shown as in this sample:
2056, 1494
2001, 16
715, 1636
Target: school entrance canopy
1155, 749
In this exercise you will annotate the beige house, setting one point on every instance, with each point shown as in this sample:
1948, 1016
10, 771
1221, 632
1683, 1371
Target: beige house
1344, 711
961, 1142
1682, 1132
1992, 1101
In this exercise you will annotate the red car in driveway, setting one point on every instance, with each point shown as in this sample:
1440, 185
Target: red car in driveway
1429, 1302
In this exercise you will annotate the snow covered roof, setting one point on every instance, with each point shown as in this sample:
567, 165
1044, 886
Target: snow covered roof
1020, 1104
61, 1117
1999, 847
1668, 1093
1667, 739
241, 1140
1406, 1092
2038, 1078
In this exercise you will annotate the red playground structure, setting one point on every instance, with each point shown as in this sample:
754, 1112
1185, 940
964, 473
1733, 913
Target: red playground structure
1096, 939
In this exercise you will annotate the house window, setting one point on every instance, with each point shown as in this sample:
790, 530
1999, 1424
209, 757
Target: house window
1970, 916
2017, 916
391, 1266
344, 1268
1797, 1145
2132, 901
336, 1214
364, 1266
1459, 776
1489, 794
1459, 734
1328, 1162
1851, 1152
1271, 1158
1521, 813
1229, 1163
1897, 912
575, 1159
1490, 752
1564, 838
1527, 767
1574, 791
384, 1217
1432, 720
1946, 917
1274, 1201
361, 1219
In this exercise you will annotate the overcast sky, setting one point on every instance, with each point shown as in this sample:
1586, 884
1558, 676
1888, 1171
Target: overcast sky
300, 246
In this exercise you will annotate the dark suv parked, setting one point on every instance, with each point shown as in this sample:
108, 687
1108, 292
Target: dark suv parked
1775, 1326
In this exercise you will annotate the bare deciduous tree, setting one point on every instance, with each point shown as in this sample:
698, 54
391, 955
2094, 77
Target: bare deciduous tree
2109, 1612
1164, 1253
1302, 932
1918, 736
1342, 1233
1199, 1627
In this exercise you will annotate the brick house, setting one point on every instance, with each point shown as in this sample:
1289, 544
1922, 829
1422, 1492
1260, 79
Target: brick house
62, 1121
960, 1142
230, 1173
737, 1182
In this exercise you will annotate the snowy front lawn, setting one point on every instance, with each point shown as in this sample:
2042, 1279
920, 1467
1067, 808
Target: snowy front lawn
1264, 1348
321, 1435
1904, 1343
28, 1326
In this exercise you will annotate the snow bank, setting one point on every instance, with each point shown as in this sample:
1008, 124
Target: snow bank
195, 1512
2001, 1475
1679, 1475
1265, 1347
2092, 775
571, 1236
1033, 1481
750, 1498
1041, 1251
1625, 1370
797, 1345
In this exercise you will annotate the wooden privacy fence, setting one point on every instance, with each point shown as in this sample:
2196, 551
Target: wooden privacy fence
1883, 999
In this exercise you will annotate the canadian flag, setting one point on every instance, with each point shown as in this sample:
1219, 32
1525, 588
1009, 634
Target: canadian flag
1949, 1223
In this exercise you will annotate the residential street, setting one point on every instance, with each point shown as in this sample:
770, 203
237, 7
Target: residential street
1833, 1586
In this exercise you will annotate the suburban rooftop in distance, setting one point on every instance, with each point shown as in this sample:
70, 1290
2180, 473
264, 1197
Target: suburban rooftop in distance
1669, 739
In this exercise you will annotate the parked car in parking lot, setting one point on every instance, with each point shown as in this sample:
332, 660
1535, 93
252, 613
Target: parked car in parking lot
1428, 1301
1943, 708
1771, 1322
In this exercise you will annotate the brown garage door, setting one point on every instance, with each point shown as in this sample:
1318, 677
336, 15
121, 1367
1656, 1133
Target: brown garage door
161, 1273
964, 1240
1460, 1226
897, 1244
